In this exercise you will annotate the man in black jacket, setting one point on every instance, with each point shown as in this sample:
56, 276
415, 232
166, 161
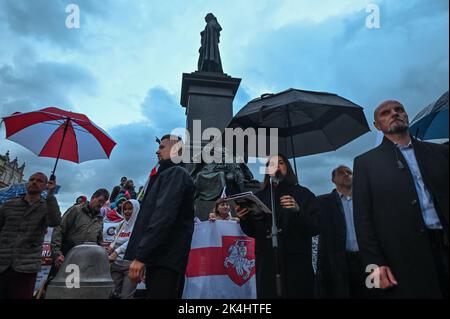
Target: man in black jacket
340, 271
400, 198
162, 236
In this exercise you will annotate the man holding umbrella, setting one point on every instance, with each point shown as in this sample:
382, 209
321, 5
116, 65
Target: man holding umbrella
23, 222
400, 204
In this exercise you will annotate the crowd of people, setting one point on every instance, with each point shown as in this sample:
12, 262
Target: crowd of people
383, 230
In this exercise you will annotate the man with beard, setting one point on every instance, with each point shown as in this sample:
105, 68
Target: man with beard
23, 222
400, 198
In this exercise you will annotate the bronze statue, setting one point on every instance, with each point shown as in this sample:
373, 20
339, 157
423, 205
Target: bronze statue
209, 59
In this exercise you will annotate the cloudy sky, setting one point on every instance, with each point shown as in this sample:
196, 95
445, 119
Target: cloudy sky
123, 68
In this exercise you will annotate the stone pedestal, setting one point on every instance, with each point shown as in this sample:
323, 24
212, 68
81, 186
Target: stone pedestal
208, 97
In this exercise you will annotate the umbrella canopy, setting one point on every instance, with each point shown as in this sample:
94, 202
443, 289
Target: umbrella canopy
52, 132
308, 122
432, 122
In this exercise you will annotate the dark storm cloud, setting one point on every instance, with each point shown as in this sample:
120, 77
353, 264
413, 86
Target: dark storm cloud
163, 110
45, 20
407, 56
26, 85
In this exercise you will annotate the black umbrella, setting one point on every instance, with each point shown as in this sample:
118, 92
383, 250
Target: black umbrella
308, 122
432, 122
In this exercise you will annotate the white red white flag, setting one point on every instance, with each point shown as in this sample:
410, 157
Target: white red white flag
221, 263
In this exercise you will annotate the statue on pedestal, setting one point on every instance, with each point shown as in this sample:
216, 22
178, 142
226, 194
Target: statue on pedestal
209, 59
208, 96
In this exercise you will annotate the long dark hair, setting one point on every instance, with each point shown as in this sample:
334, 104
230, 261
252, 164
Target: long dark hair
290, 177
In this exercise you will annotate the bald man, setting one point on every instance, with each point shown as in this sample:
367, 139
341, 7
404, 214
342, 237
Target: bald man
400, 207
23, 222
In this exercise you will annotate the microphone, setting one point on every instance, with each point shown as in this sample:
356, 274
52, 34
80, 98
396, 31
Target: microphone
277, 178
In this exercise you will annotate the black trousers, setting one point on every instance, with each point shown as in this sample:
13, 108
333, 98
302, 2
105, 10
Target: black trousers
163, 283
439, 247
356, 277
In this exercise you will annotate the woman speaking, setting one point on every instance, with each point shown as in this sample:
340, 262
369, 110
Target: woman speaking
297, 215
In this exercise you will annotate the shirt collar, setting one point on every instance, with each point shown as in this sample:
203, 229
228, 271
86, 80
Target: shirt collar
405, 147
343, 196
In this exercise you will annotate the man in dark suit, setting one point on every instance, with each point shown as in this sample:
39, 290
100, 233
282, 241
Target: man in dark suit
340, 271
161, 240
400, 198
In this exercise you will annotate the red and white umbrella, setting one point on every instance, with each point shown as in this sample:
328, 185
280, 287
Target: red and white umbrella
52, 132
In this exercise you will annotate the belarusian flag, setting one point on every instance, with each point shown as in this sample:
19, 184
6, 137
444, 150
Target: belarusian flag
221, 262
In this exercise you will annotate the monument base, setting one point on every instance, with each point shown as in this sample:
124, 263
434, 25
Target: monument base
208, 98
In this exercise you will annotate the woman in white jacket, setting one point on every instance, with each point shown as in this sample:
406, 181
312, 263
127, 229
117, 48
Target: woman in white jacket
124, 287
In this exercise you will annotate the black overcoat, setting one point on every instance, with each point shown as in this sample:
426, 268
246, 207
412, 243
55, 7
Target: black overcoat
297, 228
389, 225
331, 279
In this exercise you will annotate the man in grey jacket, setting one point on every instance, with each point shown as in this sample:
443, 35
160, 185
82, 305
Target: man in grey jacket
81, 223
23, 222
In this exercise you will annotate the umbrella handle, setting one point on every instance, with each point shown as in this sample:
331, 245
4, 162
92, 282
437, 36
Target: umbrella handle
292, 144
60, 148
1, 122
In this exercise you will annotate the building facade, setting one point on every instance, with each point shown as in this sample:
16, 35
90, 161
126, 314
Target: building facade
10, 171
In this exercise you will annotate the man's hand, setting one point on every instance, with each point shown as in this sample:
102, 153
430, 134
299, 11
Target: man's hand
241, 212
51, 186
109, 249
212, 217
59, 261
289, 202
136, 272
385, 276
112, 257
